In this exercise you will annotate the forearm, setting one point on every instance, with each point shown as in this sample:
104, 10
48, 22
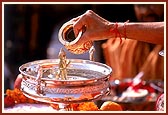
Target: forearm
152, 32
97, 28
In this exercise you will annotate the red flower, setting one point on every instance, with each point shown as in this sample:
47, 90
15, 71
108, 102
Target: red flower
9, 101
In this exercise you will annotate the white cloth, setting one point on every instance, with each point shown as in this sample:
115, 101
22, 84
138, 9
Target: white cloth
30, 108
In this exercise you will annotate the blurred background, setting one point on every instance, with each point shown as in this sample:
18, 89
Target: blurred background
31, 31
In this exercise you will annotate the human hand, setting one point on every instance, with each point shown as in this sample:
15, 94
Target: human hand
96, 27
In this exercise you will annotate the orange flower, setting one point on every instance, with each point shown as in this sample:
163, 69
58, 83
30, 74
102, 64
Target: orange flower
87, 106
110, 106
8, 101
18, 97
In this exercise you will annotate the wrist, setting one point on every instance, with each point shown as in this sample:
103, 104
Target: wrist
122, 28
118, 30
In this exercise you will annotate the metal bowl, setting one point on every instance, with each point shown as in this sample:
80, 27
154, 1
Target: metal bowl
152, 86
139, 103
67, 38
87, 80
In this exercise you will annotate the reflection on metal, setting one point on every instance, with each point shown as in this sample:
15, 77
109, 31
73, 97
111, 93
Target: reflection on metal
67, 38
86, 80
161, 53
91, 53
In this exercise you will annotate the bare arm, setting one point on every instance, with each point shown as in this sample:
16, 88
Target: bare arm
97, 28
152, 32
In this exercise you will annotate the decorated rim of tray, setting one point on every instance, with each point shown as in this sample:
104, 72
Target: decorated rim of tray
104, 69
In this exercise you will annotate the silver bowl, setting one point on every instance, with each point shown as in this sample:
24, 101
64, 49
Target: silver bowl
153, 87
86, 81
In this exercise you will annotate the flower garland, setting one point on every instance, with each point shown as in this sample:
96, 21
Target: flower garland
16, 96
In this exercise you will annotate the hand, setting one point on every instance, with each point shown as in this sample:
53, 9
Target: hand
96, 27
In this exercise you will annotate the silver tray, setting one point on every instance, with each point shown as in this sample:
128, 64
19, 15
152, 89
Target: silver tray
87, 80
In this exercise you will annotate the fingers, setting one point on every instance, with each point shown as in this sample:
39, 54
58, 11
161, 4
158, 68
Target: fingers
78, 25
75, 19
82, 23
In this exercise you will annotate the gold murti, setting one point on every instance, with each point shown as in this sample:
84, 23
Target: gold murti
63, 64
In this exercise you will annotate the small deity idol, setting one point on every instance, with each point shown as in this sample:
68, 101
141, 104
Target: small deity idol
63, 63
